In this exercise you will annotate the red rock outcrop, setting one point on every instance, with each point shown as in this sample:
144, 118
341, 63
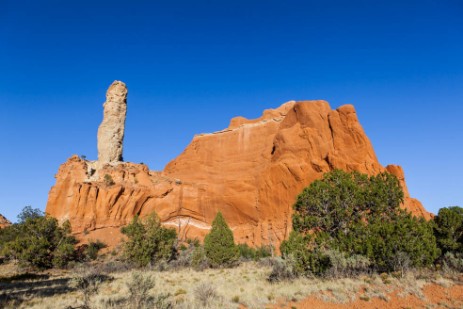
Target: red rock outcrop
251, 172
4, 222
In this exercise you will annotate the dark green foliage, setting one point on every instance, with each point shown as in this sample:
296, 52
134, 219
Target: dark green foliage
390, 243
246, 252
341, 265
38, 240
249, 253
355, 214
307, 260
148, 242
7, 234
29, 213
91, 252
108, 180
219, 245
452, 261
283, 269
448, 229
193, 242
199, 259
341, 200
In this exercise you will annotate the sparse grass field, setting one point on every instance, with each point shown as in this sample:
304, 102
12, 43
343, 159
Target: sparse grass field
243, 287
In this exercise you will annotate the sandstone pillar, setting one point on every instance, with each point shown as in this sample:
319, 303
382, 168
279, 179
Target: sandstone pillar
111, 130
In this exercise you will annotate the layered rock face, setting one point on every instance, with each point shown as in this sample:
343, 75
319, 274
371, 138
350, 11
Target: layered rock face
252, 172
111, 130
4, 222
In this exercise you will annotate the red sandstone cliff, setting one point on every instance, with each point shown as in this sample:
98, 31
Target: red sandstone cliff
252, 172
4, 222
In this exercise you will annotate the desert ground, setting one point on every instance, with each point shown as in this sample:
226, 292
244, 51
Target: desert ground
114, 285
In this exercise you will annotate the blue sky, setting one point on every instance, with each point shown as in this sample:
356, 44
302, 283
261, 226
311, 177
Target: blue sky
192, 65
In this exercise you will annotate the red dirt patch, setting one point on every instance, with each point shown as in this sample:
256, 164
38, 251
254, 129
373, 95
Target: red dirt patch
440, 296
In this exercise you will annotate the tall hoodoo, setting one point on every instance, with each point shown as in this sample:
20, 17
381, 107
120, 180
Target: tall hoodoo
111, 130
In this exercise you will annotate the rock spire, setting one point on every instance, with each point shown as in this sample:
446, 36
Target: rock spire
111, 130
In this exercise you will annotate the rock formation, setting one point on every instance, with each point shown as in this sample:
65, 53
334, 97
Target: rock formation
4, 222
111, 130
251, 172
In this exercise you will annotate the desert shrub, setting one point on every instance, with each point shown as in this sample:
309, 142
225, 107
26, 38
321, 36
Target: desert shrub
205, 293
401, 263
88, 280
63, 254
248, 253
307, 261
448, 229
39, 241
219, 245
405, 241
108, 180
139, 287
91, 251
193, 242
7, 235
283, 269
192, 255
148, 242
341, 265
115, 267
357, 264
355, 214
199, 260
453, 262
183, 258
264, 251
340, 200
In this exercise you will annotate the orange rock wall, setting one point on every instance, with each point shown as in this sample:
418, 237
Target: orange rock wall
251, 172
4, 222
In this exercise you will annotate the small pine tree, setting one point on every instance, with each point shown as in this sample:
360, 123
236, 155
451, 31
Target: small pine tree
219, 245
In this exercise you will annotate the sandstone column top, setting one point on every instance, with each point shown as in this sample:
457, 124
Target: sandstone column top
111, 130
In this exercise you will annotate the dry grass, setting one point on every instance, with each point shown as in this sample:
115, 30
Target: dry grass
245, 285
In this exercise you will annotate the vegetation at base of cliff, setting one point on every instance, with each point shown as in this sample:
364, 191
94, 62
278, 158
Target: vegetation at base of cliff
219, 244
38, 240
249, 253
343, 225
448, 229
347, 222
92, 249
340, 240
148, 243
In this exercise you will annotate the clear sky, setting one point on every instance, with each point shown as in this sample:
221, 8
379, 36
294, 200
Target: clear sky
190, 66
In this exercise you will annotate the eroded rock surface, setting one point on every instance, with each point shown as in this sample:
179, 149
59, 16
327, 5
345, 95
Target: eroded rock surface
251, 172
111, 130
4, 222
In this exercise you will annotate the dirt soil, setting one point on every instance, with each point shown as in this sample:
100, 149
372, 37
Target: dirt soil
435, 296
